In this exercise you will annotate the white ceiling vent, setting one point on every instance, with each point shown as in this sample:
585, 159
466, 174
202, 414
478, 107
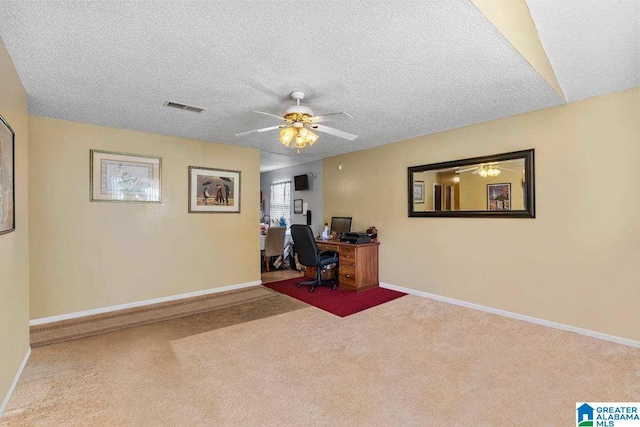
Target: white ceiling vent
183, 107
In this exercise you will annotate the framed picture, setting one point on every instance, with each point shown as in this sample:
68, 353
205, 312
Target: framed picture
214, 190
122, 177
7, 184
418, 191
499, 197
297, 206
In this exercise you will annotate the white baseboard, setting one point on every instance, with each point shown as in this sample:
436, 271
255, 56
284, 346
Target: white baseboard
15, 381
530, 319
101, 310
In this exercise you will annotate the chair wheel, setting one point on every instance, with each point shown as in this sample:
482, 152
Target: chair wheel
299, 285
333, 288
311, 289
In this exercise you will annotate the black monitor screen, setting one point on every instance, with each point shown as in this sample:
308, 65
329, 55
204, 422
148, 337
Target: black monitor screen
340, 224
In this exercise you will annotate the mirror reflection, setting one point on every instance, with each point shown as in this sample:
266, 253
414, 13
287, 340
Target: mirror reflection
489, 186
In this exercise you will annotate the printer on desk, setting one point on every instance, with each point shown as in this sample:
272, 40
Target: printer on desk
355, 238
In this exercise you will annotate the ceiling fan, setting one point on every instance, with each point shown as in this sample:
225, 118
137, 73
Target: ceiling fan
299, 124
485, 170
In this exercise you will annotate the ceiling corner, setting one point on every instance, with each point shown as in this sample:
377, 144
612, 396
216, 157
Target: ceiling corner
513, 20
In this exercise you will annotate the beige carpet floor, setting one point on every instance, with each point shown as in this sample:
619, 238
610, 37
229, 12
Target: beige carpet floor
278, 275
86, 326
279, 362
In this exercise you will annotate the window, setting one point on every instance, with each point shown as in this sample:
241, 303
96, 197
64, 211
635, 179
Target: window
280, 203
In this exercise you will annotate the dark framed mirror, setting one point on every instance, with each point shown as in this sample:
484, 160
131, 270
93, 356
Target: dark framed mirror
496, 186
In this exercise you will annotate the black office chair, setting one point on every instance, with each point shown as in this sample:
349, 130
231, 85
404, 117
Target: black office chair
308, 255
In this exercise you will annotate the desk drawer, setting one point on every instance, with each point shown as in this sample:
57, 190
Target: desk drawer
345, 260
347, 254
346, 279
346, 269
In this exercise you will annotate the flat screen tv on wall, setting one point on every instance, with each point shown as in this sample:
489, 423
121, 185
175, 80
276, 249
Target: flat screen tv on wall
301, 182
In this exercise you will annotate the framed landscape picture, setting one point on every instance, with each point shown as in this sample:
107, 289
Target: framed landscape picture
214, 190
7, 184
499, 197
121, 177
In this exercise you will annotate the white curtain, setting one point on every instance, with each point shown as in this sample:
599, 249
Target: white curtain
280, 203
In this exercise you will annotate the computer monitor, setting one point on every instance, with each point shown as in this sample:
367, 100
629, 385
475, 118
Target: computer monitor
340, 224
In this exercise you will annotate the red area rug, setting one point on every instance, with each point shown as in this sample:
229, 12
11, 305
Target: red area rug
338, 302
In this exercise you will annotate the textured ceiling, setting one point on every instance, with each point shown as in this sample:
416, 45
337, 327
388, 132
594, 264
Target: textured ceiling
401, 68
593, 45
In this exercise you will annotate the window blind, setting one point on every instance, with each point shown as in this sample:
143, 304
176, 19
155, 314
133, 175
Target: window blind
280, 202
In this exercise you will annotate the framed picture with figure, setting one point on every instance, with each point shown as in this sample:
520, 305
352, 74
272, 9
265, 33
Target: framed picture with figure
214, 190
297, 206
7, 183
122, 177
499, 197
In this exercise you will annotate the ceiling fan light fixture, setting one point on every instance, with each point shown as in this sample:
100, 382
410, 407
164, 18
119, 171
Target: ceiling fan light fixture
312, 137
493, 171
299, 142
286, 135
488, 171
299, 135
300, 122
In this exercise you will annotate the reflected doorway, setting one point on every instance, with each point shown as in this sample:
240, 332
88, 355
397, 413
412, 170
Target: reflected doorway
449, 197
437, 197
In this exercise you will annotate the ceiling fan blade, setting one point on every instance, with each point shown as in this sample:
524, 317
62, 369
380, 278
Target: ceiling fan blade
269, 114
504, 169
334, 132
467, 170
259, 130
331, 117
475, 171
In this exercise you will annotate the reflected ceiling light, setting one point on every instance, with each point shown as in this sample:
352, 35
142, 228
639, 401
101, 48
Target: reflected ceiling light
488, 171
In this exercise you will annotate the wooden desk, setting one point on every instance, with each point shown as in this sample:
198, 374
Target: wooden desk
357, 264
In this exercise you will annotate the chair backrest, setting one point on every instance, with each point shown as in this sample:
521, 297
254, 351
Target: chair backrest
274, 242
306, 246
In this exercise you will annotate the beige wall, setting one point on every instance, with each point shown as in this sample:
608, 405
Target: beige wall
88, 255
576, 263
14, 250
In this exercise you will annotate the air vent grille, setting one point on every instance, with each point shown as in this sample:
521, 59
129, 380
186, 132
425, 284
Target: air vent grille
183, 107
